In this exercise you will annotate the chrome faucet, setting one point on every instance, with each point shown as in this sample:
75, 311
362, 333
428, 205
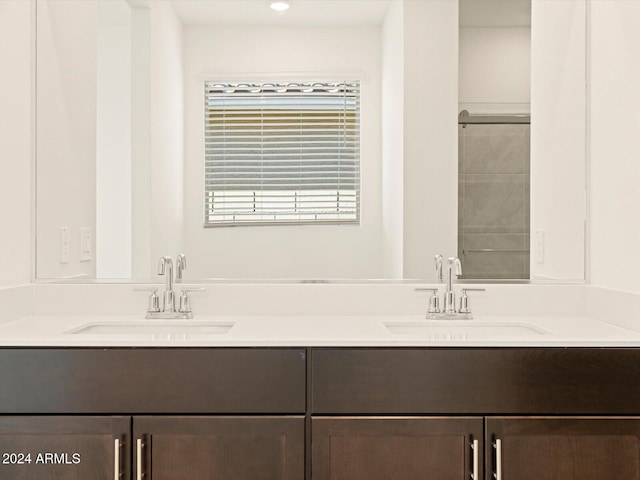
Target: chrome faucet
165, 267
454, 267
168, 309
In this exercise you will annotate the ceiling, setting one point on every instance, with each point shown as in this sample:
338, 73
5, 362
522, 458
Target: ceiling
473, 13
301, 13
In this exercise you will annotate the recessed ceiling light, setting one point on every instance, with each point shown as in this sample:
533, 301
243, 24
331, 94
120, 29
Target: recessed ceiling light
280, 5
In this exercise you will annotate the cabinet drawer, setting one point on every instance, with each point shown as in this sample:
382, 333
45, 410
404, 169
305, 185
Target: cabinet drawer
409, 448
238, 447
570, 448
476, 381
197, 380
65, 448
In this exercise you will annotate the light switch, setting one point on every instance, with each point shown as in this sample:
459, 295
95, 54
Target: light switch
538, 246
85, 244
65, 244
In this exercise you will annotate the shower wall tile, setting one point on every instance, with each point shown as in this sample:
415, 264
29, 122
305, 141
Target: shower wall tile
527, 204
493, 204
494, 149
527, 146
493, 200
527, 263
461, 149
499, 264
460, 202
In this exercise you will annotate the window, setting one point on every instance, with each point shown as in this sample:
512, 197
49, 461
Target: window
282, 153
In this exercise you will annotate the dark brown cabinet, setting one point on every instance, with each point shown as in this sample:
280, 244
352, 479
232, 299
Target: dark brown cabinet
563, 448
208, 448
65, 448
512, 448
593, 394
163, 448
319, 414
476, 381
201, 413
383, 448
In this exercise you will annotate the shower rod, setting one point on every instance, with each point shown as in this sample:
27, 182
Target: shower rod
465, 119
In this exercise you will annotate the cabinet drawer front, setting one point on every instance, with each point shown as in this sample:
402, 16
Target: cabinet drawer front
366, 448
568, 448
241, 448
69, 448
235, 380
476, 381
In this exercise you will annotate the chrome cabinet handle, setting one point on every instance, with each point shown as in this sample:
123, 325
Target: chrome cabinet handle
139, 459
498, 447
116, 459
475, 447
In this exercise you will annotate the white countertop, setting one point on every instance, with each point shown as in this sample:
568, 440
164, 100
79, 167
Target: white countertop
327, 331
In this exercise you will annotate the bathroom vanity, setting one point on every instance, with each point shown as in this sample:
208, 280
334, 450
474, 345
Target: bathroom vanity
537, 386
324, 413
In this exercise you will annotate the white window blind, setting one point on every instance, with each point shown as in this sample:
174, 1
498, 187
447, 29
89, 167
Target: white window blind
282, 153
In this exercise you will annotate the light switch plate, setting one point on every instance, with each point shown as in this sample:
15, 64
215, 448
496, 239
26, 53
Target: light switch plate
85, 244
65, 244
538, 246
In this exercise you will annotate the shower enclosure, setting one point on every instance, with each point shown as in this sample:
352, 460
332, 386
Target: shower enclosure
493, 196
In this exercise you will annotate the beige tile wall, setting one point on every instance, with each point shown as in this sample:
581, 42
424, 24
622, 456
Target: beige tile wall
493, 200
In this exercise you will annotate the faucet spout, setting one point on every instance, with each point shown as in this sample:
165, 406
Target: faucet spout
454, 268
165, 267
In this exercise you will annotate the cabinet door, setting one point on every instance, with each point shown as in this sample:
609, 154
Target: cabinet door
220, 448
392, 448
65, 448
563, 448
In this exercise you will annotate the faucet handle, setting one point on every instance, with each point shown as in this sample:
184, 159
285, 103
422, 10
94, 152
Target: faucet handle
154, 300
464, 290
434, 300
464, 299
185, 301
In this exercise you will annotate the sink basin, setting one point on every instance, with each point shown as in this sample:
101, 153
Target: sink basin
464, 330
156, 328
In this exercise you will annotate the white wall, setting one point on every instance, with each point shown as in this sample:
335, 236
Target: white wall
141, 264
430, 134
558, 141
16, 84
312, 251
113, 140
66, 133
393, 139
167, 134
615, 150
495, 69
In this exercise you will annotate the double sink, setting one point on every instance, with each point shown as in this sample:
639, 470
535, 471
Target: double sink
423, 329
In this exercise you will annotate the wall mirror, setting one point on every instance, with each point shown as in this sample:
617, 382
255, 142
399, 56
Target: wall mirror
132, 96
